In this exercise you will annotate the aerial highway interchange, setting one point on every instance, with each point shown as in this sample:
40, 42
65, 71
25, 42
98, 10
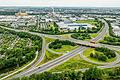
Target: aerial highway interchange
83, 46
51, 40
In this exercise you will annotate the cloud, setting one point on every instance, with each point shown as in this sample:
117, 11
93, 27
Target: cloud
84, 3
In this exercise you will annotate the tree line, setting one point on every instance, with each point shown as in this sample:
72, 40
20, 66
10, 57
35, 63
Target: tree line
81, 36
93, 73
57, 44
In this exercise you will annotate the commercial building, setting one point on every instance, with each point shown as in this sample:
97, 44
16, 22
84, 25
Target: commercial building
116, 30
73, 26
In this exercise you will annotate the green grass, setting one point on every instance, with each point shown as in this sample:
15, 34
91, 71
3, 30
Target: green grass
49, 39
93, 22
52, 25
65, 48
66, 36
107, 35
73, 64
92, 50
49, 56
118, 52
94, 35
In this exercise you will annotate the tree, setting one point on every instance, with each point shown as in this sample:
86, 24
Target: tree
75, 30
79, 29
91, 54
93, 74
102, 57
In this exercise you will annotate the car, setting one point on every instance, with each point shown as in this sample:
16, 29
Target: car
94, 42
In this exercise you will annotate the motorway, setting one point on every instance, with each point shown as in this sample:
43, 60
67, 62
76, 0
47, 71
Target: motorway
54, 62
69, 55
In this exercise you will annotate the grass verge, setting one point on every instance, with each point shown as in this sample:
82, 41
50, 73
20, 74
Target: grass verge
65, 48
49, 56
92, 50
73, 64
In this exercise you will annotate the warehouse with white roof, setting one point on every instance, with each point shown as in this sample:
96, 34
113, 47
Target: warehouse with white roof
73, 26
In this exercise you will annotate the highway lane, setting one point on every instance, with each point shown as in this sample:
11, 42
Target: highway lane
104, 31
42, 53
54, 62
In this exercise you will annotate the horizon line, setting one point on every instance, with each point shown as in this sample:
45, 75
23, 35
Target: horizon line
62, 6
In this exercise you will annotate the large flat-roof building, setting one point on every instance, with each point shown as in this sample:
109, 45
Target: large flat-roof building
73, 26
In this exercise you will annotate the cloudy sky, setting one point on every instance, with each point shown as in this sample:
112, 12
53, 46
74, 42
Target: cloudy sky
72, 3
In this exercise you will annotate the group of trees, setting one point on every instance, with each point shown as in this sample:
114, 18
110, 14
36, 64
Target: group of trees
112, 39
81, 36
111, 30
93, 73
99, 56
57, 44
107, 54
114, 73
18, 56
37, 40
52, 29
98, 27
55, 29
90, 74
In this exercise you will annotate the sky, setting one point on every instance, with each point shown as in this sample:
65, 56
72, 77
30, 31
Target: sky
63, 3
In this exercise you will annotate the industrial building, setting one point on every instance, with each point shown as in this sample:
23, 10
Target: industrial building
73, 26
